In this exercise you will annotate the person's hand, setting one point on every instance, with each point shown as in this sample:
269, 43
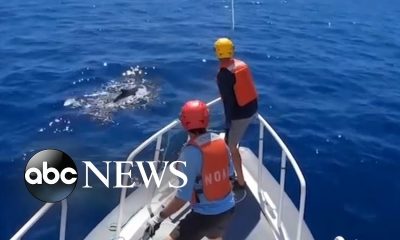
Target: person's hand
154, 224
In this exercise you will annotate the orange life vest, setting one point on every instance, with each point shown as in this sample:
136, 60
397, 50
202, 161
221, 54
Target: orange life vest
244, 88
215, 169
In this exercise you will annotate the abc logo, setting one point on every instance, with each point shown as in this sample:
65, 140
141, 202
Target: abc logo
51, 175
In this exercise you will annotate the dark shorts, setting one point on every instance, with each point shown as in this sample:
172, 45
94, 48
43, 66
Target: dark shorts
195, 226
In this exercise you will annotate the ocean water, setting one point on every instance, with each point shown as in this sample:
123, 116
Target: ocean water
327, 73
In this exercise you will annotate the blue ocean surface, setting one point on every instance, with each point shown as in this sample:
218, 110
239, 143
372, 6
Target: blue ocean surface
327, 73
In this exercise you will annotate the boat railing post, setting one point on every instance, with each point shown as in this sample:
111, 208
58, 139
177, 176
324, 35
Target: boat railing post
282, 186
158, 148
302, 194
156, 159
121, 210
286, 155
131, 158
302, 206
63, 224
260, 154
122, 201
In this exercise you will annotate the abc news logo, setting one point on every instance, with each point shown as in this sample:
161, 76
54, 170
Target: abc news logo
51, 175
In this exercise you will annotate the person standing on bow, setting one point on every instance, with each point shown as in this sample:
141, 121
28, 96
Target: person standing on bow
208, 170
239, 97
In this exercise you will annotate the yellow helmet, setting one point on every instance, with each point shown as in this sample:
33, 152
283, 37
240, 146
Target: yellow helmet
224, 48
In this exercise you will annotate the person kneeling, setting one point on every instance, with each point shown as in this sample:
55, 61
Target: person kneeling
208, 169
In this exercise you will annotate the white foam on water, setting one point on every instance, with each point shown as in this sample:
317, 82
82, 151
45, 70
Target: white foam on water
57, 125
142, 92
95, 94
100, 103
69, 102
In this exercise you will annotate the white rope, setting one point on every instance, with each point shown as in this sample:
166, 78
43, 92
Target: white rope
233, 14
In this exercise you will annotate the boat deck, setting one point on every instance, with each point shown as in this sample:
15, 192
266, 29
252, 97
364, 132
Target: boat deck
248, 223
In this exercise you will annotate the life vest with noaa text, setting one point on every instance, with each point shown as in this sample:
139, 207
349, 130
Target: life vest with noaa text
244, 88
215, 168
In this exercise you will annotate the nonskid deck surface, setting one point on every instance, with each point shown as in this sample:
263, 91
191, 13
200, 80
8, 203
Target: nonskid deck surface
248, 223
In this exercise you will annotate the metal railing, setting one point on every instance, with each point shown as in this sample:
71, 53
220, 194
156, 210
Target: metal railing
285, 154
39, 214
263, 125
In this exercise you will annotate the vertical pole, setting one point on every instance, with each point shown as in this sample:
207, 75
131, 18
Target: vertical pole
121, 211
233, 14
282, 185
122, 201
301, 210
63, 224
260, 153
156, 159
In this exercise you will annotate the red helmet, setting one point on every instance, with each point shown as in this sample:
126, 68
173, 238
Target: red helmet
194, 115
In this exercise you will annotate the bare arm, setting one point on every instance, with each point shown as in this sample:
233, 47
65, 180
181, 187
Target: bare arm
172, 207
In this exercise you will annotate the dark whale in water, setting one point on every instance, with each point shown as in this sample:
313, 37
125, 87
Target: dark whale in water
126, 93
131, 92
